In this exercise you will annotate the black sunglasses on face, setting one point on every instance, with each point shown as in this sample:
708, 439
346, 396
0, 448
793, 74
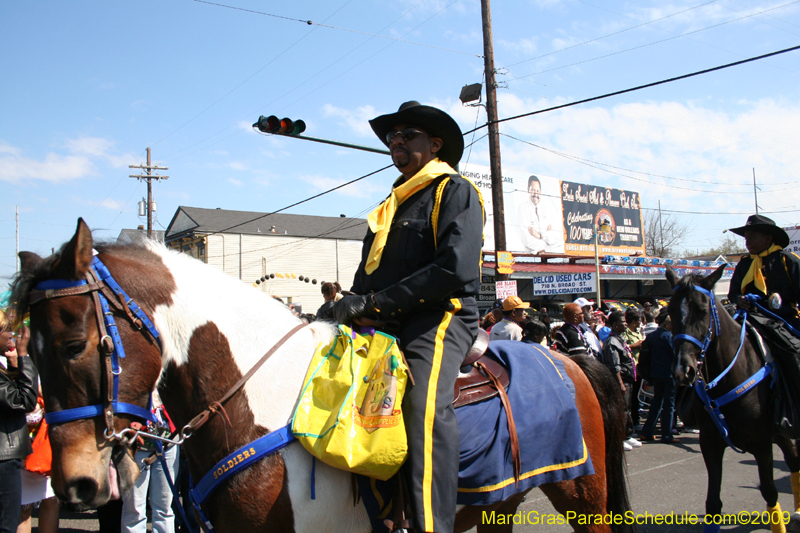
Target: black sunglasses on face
407, 134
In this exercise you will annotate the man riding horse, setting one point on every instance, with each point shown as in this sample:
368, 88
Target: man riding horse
420, 272
769, 271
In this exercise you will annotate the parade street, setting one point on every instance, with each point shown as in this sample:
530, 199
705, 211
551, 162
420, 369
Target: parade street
663, 479
672, 478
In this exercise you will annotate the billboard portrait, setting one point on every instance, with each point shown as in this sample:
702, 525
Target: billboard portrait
586, 206
532, 205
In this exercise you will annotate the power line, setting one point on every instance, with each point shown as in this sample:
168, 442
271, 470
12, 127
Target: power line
639, 87
655, 42
597, 165
608, 35
312, 23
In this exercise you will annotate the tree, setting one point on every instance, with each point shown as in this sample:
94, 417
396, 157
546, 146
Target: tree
731, 245
663, 234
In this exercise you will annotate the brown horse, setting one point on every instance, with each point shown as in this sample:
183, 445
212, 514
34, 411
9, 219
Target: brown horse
212, 330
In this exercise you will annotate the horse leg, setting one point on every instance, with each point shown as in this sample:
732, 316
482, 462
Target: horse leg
792, 459
506, 508
581, 501
713, 449
768, 490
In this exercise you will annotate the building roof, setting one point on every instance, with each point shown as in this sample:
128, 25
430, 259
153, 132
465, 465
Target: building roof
189, 220
136, 236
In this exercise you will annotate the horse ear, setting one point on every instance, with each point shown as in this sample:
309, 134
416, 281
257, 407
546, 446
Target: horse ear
28, 261
709, 281
76, 256
672, 277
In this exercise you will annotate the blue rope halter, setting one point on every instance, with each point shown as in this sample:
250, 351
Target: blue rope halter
98, 280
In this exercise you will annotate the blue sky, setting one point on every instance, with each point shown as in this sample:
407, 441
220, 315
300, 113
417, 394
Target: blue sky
87, 86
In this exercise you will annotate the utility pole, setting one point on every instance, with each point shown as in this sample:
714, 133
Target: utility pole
17, 238
149, 168
755, 189
661, 224
498, 211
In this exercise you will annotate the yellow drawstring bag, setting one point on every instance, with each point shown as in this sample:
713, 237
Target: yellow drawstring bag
349, 413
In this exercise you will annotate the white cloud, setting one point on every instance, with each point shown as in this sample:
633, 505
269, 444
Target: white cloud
85, 154
356, 119
236, 165
234, 181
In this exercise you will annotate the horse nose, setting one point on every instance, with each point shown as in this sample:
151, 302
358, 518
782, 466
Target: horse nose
82, 490
685, 374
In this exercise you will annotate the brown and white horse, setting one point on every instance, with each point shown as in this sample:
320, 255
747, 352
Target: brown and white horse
213, 329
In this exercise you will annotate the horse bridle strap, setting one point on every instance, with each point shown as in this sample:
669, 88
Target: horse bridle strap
103, 289
217, 406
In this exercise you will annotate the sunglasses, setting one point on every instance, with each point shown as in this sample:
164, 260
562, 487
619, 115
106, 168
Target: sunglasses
407, 134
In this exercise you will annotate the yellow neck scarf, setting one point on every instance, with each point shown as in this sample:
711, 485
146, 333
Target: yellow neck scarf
754, 274
380, 220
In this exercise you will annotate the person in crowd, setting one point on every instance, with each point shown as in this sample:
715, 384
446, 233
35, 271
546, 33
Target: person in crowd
569, 338
633, 336
18, 395
618, 359
154, 478
534, 332
650, 323
595, 346
601, 328
497, 314
36, 488
488, 321
510, 328
659, 345
420, 270
331, 292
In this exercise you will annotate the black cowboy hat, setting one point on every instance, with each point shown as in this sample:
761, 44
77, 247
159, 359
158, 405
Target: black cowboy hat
434, 121
766, 225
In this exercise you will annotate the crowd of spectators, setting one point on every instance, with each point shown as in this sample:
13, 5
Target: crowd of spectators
635, 345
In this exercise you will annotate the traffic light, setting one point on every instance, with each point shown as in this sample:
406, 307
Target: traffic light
274, 125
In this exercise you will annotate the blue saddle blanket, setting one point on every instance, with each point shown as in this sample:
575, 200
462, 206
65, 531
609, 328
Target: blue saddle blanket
551, 442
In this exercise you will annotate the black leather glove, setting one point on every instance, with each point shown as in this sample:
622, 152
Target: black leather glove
350, 307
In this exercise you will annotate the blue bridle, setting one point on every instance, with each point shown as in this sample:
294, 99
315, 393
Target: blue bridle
101, 286
713, 405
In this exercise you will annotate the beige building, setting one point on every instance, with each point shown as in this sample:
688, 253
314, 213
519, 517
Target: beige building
293, 254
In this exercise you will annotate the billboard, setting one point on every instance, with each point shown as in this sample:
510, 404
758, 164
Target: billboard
794, 238
586, 206
544, 215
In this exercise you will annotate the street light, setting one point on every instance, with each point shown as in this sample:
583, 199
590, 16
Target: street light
602, 228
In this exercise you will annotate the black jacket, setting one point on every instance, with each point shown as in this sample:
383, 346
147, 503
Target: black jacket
416, 271
659, 345
18, 393
782, 274
617, 358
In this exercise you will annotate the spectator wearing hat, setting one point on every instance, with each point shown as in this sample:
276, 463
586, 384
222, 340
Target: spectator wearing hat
510, 328
659, 346
569, 338
595, 346
420, 276
769, 270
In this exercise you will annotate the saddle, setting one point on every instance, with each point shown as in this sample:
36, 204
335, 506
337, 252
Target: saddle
482, 378
474, 383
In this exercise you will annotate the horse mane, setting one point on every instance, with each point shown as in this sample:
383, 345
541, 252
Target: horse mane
27, 278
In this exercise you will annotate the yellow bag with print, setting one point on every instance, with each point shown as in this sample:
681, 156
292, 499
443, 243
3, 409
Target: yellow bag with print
349, 413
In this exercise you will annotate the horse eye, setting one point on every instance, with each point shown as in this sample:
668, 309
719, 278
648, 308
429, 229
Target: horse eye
73, 349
